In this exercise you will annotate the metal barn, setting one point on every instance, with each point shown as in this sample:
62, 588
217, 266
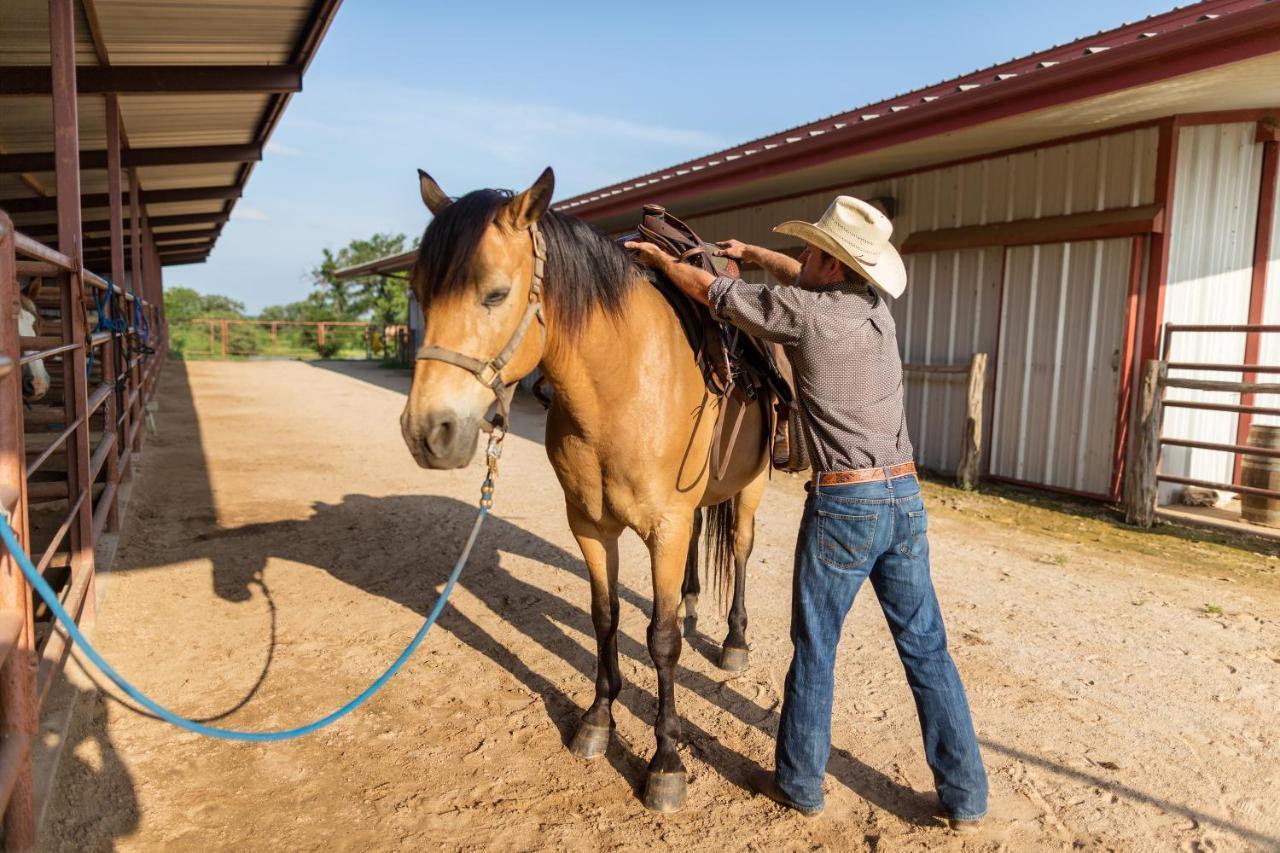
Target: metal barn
1055, 212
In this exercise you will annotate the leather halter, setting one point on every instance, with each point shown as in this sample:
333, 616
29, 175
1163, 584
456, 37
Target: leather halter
489, 373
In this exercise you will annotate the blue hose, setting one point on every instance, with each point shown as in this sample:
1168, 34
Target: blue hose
50, 598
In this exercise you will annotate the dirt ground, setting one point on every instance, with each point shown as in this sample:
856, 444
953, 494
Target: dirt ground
281, 547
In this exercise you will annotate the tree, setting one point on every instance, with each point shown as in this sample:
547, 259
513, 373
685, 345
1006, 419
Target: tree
183, 303
383, 300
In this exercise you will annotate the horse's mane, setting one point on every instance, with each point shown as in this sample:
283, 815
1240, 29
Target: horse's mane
586, 271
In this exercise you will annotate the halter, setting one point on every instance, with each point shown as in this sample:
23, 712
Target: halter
489, 373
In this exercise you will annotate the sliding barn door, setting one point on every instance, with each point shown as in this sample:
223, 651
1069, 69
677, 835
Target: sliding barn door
1059, 363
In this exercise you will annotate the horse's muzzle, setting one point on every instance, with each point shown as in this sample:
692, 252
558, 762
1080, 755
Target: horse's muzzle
441, 439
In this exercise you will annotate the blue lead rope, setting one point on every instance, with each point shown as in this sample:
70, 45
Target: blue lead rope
50, 598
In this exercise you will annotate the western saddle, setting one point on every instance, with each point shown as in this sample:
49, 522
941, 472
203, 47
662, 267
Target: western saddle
732, 362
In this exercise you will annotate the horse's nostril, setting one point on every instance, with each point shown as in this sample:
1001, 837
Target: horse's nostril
440, 434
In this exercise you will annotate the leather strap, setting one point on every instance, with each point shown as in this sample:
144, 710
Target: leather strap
489, 373
865, 475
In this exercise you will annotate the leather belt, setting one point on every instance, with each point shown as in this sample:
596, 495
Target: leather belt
863, 475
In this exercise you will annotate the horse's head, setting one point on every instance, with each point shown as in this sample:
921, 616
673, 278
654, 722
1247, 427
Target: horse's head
474, 280
35, 378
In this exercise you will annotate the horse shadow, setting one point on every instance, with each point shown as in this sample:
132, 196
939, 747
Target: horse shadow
238, 556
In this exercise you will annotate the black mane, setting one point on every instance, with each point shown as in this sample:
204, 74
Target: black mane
586, 271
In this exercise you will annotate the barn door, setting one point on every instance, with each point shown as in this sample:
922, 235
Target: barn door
1059, 363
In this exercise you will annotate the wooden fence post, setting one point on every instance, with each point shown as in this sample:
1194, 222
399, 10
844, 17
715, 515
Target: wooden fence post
226, 333
971, 444
321, 338
1140, 486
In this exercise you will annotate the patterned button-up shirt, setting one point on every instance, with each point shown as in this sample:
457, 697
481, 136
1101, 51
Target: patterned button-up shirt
843, 348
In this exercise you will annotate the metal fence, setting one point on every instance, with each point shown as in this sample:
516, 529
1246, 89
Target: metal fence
234, 338
63, 459
1144, 475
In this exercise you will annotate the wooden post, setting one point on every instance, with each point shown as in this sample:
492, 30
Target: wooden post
1140, 486
321, 344
136, 285
275, 336
18, 675
211, 338
971, 446
226, 331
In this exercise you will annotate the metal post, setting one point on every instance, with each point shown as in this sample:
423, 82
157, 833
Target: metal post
110, 361
226, 327
136, 281
18, 712
211, 338
66, 146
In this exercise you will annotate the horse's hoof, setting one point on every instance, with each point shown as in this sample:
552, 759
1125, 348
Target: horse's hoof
690, 626
664, 792
590, 741
733, 659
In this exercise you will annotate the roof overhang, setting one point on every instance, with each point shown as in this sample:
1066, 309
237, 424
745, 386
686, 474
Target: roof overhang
1197, 66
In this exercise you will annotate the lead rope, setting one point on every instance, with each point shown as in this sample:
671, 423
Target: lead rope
492, 454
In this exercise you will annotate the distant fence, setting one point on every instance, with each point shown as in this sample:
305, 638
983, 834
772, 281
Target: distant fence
305, 339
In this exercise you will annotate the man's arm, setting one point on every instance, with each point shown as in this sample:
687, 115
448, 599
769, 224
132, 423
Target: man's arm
782, 268
692, 281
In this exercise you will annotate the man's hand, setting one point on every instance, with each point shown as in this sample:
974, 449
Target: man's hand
647, 254
735, 249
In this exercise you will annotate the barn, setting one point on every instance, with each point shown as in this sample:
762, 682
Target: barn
1054, 212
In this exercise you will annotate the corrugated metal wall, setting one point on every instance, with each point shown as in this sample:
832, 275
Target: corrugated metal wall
952, 302
1211, 241
1057, 387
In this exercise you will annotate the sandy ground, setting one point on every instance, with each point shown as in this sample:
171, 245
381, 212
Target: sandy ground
282, 546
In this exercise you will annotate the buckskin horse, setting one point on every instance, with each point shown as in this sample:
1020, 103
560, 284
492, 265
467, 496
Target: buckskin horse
507, 286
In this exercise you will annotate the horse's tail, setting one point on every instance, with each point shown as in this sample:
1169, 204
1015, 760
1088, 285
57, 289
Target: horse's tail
719, 551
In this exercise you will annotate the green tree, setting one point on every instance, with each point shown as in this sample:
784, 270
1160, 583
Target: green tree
183, 303
374, 297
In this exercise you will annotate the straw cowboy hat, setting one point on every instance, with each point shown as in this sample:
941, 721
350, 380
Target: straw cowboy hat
858, 235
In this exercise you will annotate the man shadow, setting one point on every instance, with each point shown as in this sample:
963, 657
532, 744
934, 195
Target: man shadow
239, 554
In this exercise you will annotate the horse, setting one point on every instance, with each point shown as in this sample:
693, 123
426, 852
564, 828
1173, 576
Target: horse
35, 378
629, 431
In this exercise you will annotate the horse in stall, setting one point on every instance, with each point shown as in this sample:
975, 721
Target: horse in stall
629, 431
35, 378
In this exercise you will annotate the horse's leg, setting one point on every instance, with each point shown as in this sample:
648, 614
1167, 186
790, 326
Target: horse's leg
600, 550
692, 585
665, 787
733, 652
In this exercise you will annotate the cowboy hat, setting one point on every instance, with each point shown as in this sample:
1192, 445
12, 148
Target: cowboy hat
857, 234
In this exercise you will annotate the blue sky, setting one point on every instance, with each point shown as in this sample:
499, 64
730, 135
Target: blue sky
487, 94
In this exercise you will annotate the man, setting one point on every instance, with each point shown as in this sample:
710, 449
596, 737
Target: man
864, 517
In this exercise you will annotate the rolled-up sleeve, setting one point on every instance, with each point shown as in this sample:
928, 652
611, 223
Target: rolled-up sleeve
772, 312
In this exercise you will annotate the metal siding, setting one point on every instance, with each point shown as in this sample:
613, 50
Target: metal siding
1058, 380
952, 303
1210, 269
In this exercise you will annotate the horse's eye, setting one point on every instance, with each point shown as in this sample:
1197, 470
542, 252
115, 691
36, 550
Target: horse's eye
496, 297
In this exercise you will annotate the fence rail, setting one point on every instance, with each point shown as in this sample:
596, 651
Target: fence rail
207, 337
1143, 476
63, 459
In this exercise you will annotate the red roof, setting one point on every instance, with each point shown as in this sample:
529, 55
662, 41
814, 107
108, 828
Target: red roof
1157, 47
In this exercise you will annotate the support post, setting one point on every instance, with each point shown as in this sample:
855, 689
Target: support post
110, 350
1140, 486
321, 337
18, 711
967, 472
212, 346
62, 52
136, 285
226, 331
275, 336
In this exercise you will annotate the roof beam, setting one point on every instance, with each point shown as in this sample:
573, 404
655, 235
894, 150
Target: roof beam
37, 231
157, 79
162, 237
136, 157
40, 205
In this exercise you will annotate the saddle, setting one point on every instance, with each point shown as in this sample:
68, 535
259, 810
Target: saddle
732, 362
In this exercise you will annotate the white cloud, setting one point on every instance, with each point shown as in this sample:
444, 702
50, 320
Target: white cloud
244, 211
283, 150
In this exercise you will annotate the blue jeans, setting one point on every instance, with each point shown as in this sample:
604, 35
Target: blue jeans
849, 533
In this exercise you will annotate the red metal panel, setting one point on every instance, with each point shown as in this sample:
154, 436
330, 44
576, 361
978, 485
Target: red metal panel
1258, 285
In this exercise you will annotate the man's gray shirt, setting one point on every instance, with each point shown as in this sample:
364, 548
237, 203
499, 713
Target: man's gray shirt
843, 349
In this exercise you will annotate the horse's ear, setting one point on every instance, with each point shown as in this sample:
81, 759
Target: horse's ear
433, 197
31, 288
528, 207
